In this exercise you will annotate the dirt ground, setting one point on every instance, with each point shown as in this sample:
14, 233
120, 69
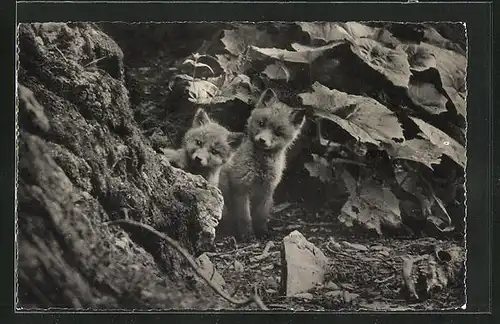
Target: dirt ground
358, 279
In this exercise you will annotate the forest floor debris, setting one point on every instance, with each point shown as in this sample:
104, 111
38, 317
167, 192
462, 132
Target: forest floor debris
364, 273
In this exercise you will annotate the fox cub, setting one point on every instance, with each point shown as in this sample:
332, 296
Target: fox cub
249, 179
206, 147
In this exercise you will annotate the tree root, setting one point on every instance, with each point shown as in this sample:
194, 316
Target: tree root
239, 303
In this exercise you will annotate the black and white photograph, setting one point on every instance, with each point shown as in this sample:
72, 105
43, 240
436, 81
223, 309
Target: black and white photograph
249, 166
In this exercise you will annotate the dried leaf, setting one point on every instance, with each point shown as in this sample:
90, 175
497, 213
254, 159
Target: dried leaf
238, 267
268, 246
354, 246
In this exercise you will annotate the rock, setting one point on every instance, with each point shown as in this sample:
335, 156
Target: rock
349, 297
347, 286
378, 247
384, 253
331, 285
208, 268
334, 294
306, 296
303, 265
238, 267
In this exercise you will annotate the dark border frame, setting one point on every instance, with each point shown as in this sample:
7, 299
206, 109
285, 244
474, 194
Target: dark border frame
482, 174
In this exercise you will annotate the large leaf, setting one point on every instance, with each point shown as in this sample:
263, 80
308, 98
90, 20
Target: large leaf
328, 31
427, 96
319, 168
419, 150
370, 205
277, 71
237, 40
325, 31
443, 142
234, 65
239, 87
392, 63
201, 90
432, 36
450, 65
364, 118
459, 100
433, 209
419, 58
302, 54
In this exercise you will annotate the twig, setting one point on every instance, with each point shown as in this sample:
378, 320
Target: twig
235, 290
354, 257
338, 252
118, 161
240, 303
281, 306
94, 61
229, 253
64, 57
257, 299
34, 289
385, 280
304, 223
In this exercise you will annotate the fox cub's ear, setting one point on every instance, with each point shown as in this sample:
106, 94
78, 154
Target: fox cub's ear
298, 117
200, 118
266, 98
234, 139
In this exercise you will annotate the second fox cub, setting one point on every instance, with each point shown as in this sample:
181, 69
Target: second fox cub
206, 147
249, 179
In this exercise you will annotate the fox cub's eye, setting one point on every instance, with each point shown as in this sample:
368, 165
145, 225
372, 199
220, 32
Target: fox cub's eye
214, 151
198, 142
261, 123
